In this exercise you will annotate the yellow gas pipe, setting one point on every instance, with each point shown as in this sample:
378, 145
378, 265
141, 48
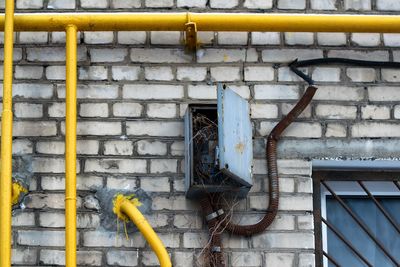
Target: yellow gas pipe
70, 147
71, 23
125, 208
6, 139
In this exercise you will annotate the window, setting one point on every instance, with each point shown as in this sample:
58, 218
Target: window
357, 218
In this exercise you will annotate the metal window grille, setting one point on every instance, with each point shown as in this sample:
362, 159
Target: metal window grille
334, 186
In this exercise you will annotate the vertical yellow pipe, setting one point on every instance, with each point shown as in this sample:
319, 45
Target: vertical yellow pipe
6, 139
70, 148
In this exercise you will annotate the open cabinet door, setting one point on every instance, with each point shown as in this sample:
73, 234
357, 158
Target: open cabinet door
234, 136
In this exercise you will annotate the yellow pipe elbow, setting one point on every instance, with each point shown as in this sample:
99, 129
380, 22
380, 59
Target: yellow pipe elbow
126, 207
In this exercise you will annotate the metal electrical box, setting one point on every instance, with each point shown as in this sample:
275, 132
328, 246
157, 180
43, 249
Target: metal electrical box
218, 146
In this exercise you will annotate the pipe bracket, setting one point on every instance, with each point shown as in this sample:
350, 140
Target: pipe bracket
191, 36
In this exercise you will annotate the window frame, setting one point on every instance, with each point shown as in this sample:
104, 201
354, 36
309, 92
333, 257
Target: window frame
319, 198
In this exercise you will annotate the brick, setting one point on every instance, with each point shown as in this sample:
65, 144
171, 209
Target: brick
55, 73
28, 72
276, 92
255, 4
52, 54
152, 91
391, 5
108, 55
286, 108
194, 240
306, 260
361, 74
33, 37
242, 90
221, 55
225, 73
266, 111
95, 73
94, 110
131, 37
366, 39
191, 3
284, 240
121, 183
96, 128
29, 4
191, 73
335, 130
202, 91
21, 146
34, 128
390, 75
118, 147
159, 3
177, 149
98, 37
92, 91
41, 238
158, 73
357, 4
94, 3
287, 75
223, 3
288, 4
339, 93
375, 129
163, 166
232, 38
116, 165
56, 110
155, 184
127, 109
23, 219
112, 239
265, 38
50, 147
154, 128
17, 55
375, 55
287, 55
172, 203
299, 38
24, 256
188, 221
375, 112
125, 73
84, 182
61, 4
122, 258
305, 222
331, 38
256, 73
397, 112
383, 93
323, 74
391, 39
165, 38
50, 165
336, 112
183, 259
279, 259
57, 220
159, 55
161, 110
246, 259
59, 37
282, 222
32, 90
26, 110
57, 257
304, 130
323, 4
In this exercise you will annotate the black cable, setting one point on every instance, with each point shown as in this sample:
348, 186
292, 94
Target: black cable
335, 60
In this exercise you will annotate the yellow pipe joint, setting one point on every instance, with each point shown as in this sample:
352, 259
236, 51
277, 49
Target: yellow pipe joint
125, 207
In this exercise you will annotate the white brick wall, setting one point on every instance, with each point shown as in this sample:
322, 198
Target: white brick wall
133, 90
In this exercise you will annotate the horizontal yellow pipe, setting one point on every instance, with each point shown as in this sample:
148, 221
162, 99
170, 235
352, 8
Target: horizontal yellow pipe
129, 209
206, 22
